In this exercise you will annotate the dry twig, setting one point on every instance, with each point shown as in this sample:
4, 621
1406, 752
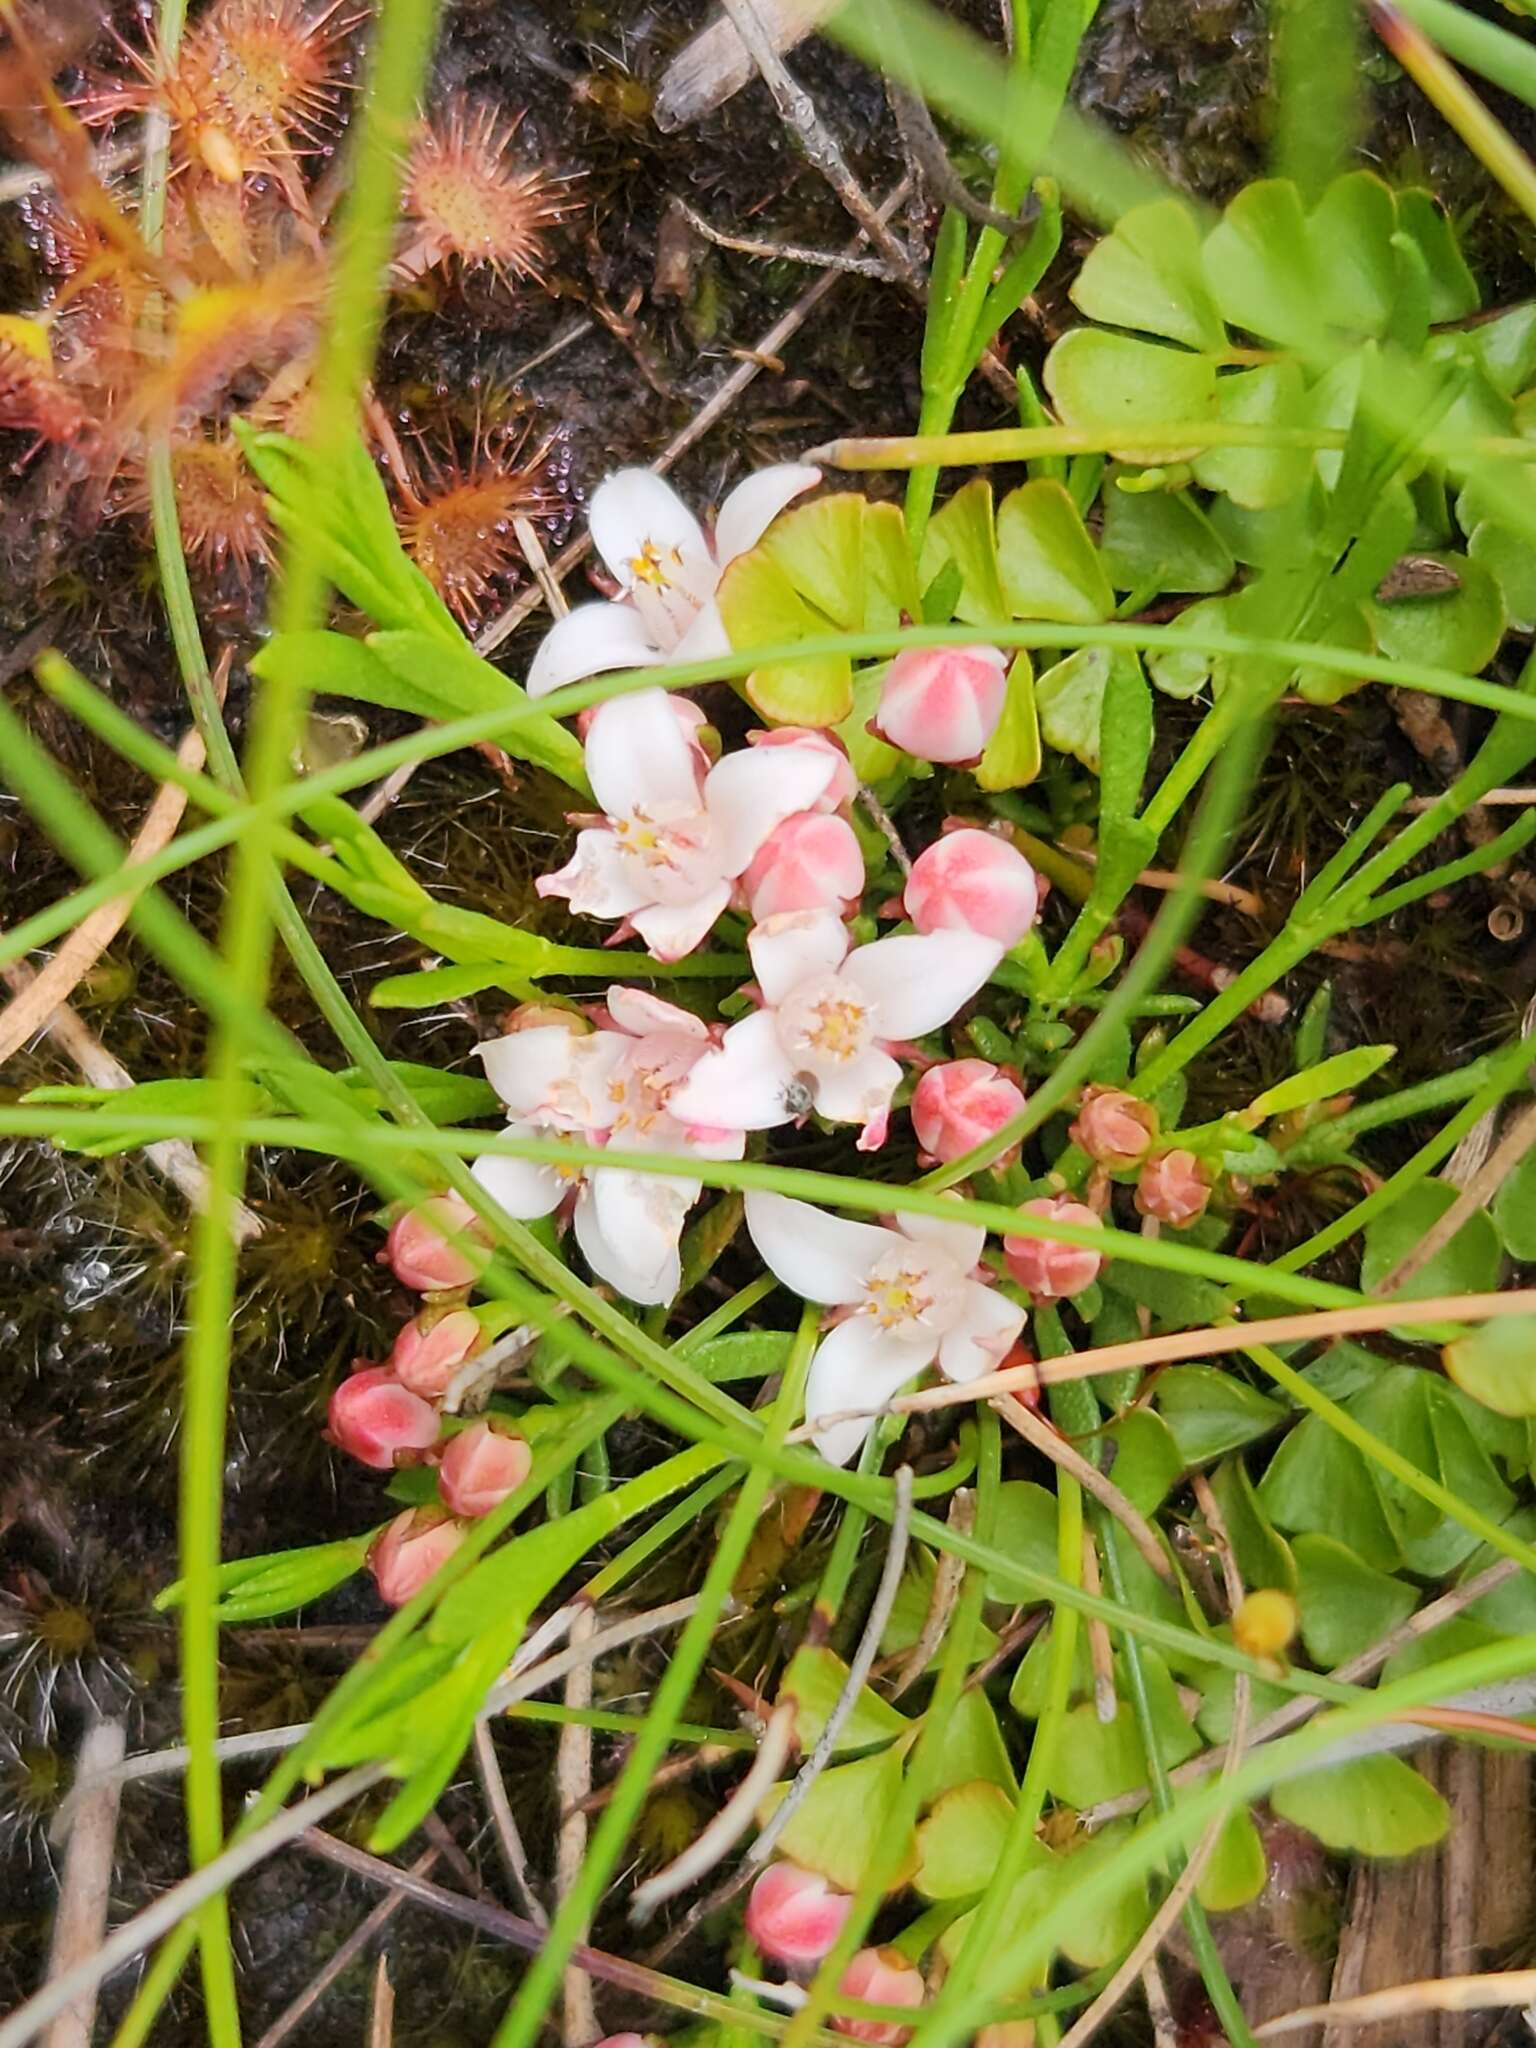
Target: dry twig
1489, 1993
573, 1781
85, 1894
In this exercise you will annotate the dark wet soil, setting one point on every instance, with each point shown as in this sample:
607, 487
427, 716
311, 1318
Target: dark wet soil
92, 1254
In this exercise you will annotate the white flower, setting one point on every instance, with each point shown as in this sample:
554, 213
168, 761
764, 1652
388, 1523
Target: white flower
675, 838
667, 570
911, 1301
817, 1041
613, 1087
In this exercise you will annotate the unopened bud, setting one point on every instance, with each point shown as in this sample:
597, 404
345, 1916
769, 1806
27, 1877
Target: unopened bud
972, 881
943, 703
795, 1916
438, 1245
539, 1016
1047, 1269
429, 1351
880, 1976
960, 1105
1115, 1129
411, 1550
810, 862
374, 1419
480, 1467
1174, 1188
1265, 1623
844, 786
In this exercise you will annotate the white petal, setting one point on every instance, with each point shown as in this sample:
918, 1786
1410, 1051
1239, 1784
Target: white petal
592, 640
557, 1076
755, 503
963, 1241
859, 1092
634, 508
639, 755
917, 983
749, 793
672, 929
706, 639
600, 879
793, 946
742, 1086
817, 1256
638, 1012
986, 1333
524, 1188
629, 1235
858, 1365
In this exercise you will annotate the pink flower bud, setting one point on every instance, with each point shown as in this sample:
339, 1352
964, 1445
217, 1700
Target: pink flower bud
880, 1976
480, 1467
1175, 1188
961, 1104
843, 787
626, 2041
373, 1419
1052, 1272
794, 1915
810, 862
430, 1350
406, 1554
943, 703
418, 1245
972, 881
1115, 1129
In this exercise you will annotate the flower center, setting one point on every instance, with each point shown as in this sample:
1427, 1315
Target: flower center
656, 567
911, 1292
672, 845
826, 1020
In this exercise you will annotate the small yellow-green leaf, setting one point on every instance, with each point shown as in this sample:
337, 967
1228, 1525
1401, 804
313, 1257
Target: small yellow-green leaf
1070, 697
820, 548
762, 608
1271, 396
1258, 262
1496, 1365
1113, 381
814, 1680
960, 1842
1050, 568
1097, 1939
1351, 229
1147, 275
962, 532
1373, 1806
845, 1818
891, 593
1161, 540
1012, 756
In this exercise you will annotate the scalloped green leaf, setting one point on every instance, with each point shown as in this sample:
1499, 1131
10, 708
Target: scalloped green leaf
820, 548
1049, 567
1351, 230
1070, 697
1147, 275
1273, 395
1345, 1603
1110, 381
963, 531
1453, 292
1373, 1806
762, 608
844, 1819
1460, 629
1258, 262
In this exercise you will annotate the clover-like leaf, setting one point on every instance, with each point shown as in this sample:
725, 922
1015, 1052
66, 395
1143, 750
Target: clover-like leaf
1273, 395
1511, 561
845, 1821
1110, 381
1147, 275
1373, 1806
1345, 1603
814, 1679
1351, 230
1514, 1210
1258, 261
1161, 540
762, 608
820, 548
1469, 1264
963, 532
1070, 697
1050, 569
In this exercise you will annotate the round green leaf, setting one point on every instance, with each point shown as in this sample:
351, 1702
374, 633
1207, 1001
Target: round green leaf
1458, 630
1514, 1210
960, 1842
1469, 1264
1512, 561
1161, 540
1185, 671
1374, 1806
1258, 262
1070, 700
1111, 380
963, 532
1351, 232
1211, 1412
1496, 1365
1257, 478
1146, 274
1050, 569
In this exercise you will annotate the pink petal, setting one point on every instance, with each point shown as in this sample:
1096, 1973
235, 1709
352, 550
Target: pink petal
982, 1339
749, 793
592, 640
917, 983
742, 1086
755, 503
858, 1365
672, 929
639, 757
817, 1256
638, 1012
793, 947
